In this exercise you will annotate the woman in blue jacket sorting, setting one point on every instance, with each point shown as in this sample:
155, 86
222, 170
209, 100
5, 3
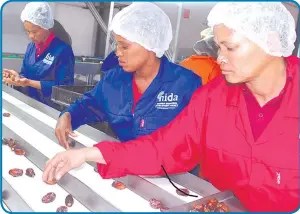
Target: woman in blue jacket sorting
48, 61
145, 91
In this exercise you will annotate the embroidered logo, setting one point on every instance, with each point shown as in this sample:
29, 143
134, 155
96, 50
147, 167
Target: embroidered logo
142, 123
278, 178
48, 59
166, 100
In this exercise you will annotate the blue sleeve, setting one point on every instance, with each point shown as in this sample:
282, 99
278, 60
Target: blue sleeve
88, 109
194, 83
64, 72
23, 71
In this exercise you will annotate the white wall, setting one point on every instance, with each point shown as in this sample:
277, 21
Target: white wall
171, 9
190, 28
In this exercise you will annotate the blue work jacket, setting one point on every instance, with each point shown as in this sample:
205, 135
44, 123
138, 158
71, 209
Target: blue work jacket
55, 66
112, 100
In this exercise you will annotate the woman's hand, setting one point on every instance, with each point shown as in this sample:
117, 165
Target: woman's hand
12, 77
63, 162
64, 129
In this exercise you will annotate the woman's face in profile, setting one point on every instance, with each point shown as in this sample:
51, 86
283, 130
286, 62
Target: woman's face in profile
35, 33
131, 55
244, 60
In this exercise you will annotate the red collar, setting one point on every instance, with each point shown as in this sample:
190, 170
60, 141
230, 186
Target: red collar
291, 93
40, 47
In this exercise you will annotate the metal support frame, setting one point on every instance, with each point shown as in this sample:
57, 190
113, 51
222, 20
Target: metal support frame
179, 15
99, 19
111, 13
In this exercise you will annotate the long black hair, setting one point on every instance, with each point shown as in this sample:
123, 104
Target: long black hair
61, 33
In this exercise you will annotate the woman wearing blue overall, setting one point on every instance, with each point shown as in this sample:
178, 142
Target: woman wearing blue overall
141, 89
48, 61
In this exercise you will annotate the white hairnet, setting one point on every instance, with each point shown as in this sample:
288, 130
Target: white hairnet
146, 24
38, 13
206, 47
268, 24
208, 32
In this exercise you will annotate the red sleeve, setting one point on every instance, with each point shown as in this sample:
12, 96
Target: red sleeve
175, 146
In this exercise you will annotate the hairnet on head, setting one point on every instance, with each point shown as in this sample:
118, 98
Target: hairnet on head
145, 24
268, 24
208, 32
206, 46
38, 13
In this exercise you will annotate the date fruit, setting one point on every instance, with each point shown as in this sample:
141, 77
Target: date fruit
13, 148
19, 152
162, 209
118, 185
69, 201
16, 172
6, 114
49, 197
222, 207
184, 190
155, 204
199, 207
11, 142
51, 182
212, 205
30, 172
62, 209
5, 141
71, 142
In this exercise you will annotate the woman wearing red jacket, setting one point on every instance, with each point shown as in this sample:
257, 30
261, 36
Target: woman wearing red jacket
242, 127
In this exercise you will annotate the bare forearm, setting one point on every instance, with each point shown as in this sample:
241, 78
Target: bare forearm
93, 154
34, 84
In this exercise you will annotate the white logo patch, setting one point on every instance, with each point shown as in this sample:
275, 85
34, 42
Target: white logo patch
278, 178
48, 59
166, 100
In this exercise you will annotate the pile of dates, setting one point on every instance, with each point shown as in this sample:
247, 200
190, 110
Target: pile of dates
50, 197
16, 172
156, 204
12, 144
212, 205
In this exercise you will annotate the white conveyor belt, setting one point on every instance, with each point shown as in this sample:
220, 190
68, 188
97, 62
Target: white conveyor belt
31, 190
86, 141
124, 200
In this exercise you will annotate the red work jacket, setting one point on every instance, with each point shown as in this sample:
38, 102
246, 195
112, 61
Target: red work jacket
214, 130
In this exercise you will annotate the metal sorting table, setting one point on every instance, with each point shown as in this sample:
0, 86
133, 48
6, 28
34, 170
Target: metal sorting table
32, 124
